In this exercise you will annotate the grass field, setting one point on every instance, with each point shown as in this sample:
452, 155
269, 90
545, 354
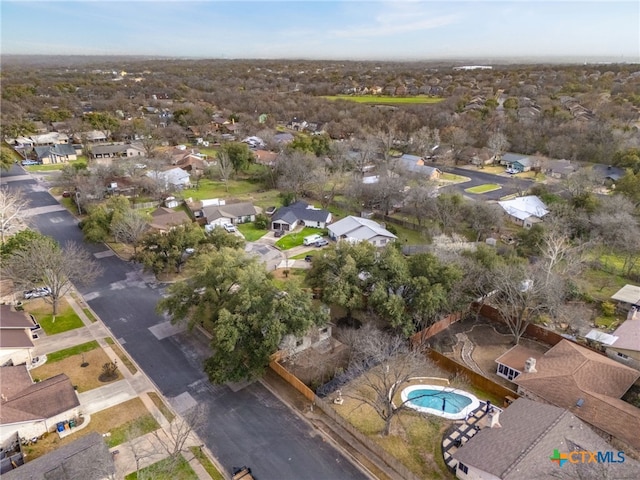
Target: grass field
64, 321
452, 177
250, 232
166, 470
84, 378
487, 187
71, 351
295, 239
385, 99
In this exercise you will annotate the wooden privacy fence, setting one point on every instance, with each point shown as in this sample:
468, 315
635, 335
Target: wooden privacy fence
475, 378
327, 409
418, 339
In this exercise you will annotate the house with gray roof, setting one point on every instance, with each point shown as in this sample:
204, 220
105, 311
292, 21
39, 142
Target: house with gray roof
32, 409
58, 153
525, 211
560, 168
174, 178
358, 229
516, 162
119, 150
300, 213
415, 164
233, 213
87, 458
520, 444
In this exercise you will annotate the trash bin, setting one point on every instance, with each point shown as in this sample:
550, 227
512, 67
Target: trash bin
72, 423
61, 427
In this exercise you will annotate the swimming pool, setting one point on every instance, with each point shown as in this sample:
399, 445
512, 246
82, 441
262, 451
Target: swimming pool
445, 402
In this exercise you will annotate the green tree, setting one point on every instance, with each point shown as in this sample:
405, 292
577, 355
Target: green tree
19, 241
232, 295
7, 158
161, 251
239, 154
103, 122
629, 186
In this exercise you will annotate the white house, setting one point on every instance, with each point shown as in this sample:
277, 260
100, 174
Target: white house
32, 409
525, 211
16, 337
358, 229
172, 178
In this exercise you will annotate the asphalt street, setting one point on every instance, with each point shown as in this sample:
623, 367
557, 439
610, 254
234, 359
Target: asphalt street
510, 184
249, 426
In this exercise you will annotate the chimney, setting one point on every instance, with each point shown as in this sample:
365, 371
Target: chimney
494, 418
530, 365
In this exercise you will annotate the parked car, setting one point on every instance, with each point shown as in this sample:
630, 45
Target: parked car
37, 292
278, 233
308, 258
66, 194
322, 243
26, 163
511, 170
230, 228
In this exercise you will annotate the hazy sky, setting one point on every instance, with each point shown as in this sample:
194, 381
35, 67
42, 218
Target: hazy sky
326, 29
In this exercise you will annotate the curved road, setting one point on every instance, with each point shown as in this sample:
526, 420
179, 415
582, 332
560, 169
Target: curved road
246, 424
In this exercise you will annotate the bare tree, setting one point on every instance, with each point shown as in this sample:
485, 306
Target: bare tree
295, 172
130, 228
418, 198
12, 206
43, 262
522, 294
381, 365
224, 166
425, 141
498, 144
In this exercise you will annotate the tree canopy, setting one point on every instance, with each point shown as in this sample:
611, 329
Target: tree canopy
233, 297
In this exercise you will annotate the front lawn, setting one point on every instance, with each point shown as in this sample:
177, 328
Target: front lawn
487, 187
295, 239
71, 351
250, 232
166, 470
67, 319
452, 177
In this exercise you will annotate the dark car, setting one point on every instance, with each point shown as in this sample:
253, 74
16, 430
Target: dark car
278, 233
66, 194
308, 258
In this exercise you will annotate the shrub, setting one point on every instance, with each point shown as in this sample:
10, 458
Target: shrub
608, 309
261, 222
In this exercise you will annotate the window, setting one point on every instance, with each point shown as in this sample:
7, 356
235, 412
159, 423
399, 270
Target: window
463, 468
623, 356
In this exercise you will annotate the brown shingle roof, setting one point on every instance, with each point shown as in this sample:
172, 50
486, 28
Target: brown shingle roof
14, 380
40, 400
9, 318
529, 433
516, 356
14, 338
569, 372
164, 218
628, 335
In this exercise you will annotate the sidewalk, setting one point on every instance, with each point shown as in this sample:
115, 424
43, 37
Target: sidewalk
149, 448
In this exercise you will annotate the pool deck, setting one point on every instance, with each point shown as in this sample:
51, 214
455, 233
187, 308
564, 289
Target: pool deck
465, 430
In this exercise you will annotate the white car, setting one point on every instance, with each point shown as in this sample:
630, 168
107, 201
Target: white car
37, 293
511, 170
229, 228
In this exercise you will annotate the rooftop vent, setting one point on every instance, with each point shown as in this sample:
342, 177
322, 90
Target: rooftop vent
580, 402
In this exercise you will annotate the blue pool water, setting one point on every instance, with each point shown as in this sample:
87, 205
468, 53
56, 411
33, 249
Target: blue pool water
453, 403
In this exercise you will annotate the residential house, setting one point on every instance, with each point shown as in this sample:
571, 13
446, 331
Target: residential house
50, 138
477, 156
608, 174
234, 213
120, 150
516, 360
16, 336
521, 442
588, 384
627, 297
265, 157
254, 142
300, 213
516, 162
92, 136
358, 229
416, 164
32, 409
87, 458
174, 178
59, 153
314, 338
626, 346
560, 168
164, 219
525, 211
